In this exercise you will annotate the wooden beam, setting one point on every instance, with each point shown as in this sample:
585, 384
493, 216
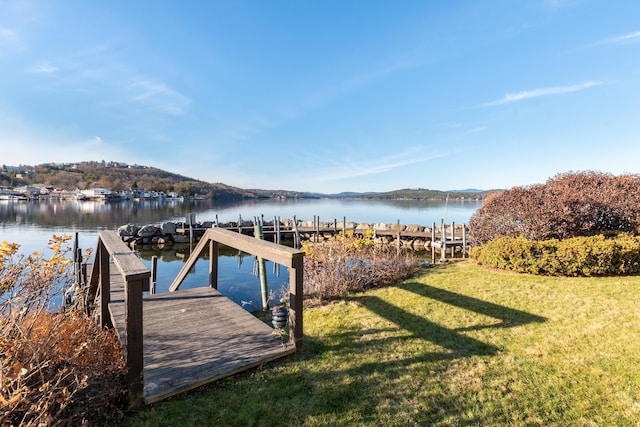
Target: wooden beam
213, 264
296, 275
193, 258
280, 254
105, 285
134, 339
127, 262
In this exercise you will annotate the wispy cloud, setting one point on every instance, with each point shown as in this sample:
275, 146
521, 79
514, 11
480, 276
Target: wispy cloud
535, 93
9, 40
43, 68
378, 165
359, 80
99, 67
160, 96
625, 38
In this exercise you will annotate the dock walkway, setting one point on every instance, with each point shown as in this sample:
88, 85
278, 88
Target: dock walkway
193, 337
182, 339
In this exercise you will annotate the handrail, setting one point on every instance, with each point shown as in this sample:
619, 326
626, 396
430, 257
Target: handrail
280, 254
112, 250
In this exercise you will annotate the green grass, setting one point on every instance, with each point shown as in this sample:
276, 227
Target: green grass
455, 345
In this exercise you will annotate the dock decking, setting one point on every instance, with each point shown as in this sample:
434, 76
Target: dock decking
182, 339
193, 337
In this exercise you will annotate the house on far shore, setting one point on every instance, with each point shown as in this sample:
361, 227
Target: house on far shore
100, 194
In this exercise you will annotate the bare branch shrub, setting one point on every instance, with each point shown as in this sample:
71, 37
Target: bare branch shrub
56, 367
346, 264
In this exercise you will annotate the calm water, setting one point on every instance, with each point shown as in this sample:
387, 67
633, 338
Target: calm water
31, 224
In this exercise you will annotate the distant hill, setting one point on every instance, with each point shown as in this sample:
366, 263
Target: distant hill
424, 194
120, 176
117, 176
468, 190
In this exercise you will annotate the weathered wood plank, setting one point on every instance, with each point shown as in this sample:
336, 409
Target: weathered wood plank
279, 254
127, 262
196, 336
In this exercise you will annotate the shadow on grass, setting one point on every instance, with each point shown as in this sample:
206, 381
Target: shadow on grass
457, 344
509, 317
356, 372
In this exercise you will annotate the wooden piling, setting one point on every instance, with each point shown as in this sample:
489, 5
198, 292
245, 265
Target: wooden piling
262, 271
154, 274
443, 250
433, 243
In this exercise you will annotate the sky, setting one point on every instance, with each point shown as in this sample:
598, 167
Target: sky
325, 95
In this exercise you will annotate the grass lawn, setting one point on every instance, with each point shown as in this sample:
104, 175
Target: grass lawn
455, 345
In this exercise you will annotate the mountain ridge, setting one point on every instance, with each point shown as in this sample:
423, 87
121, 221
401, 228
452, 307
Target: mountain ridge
118, 176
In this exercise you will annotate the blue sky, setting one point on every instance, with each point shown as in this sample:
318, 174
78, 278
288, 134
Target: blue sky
325, 96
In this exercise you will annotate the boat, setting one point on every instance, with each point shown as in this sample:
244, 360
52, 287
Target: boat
12, 197
99, 194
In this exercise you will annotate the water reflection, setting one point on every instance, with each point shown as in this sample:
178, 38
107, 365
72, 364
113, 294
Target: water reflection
237, 274
92, 214
31, 224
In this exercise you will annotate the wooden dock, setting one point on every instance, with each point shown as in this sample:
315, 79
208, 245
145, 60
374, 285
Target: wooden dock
180, 340
195, 336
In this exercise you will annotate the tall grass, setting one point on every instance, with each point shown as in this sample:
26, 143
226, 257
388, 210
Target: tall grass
454, 345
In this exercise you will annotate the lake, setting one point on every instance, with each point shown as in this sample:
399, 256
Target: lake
31, 224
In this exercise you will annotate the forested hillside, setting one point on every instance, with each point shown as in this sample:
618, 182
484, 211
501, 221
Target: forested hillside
117, 177
121, 176
424, 194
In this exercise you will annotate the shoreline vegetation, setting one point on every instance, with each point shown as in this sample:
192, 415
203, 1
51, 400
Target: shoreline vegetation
121, 178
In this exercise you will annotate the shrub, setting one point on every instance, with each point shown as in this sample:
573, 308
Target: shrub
56, 367
579, 256
568, 205
347, 264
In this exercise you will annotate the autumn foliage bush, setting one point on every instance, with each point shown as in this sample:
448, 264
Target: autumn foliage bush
347, 264
568, 205
57, 366
576, 224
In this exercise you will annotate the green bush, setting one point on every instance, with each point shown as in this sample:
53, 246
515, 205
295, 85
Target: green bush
598, 255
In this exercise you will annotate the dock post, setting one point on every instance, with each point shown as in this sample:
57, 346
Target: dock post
213, 264
443, 253
102, 257
433, 242
134, 339
297, 242
316, 221
398, 238
453, 239
78, 266
344, 226
190, 221
296, 278
264, 290
464, 240
154, 274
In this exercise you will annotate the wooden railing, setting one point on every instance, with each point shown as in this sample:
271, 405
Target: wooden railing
283, 255
111, 250
133, 278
